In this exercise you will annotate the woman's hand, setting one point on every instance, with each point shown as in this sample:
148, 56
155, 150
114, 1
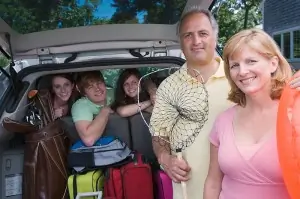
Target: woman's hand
152, 93
295, 83
59, 112
152, 98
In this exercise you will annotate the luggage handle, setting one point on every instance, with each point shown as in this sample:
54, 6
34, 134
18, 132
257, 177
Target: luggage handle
87, 194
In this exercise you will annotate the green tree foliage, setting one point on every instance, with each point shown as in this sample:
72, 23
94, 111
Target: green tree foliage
232, 15
236, 15
30, 15
3, 61
155, 11
251, 12
27, 16
125, 11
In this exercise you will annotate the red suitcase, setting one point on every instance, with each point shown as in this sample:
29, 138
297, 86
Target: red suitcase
131, 181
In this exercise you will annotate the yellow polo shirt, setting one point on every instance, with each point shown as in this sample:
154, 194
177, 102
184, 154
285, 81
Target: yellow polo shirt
197, 154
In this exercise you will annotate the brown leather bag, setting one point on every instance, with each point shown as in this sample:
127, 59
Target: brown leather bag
45, 156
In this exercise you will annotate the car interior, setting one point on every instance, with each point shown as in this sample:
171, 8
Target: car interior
133, 130
36, 55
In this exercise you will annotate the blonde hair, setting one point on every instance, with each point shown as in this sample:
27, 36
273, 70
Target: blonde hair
262, 43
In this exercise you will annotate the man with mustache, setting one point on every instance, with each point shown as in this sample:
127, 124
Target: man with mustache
90, 113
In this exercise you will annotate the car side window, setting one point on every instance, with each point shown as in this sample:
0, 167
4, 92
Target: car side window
4, 84
110, 77
4, 81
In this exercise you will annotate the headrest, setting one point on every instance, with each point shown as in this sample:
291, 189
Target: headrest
44, 82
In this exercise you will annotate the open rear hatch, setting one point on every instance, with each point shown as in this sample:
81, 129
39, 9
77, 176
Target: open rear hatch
47, 46
91, 37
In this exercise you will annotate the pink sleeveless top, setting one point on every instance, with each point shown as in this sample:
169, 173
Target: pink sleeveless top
250, 172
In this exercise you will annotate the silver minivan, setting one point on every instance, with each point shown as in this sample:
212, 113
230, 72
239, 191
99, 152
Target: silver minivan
108, 47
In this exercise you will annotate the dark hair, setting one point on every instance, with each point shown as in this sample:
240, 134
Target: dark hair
65, 75
86, 78
74, 96
120, 97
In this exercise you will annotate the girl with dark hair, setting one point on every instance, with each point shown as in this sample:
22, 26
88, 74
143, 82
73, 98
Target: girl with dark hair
46, 138
126, 94
63, 94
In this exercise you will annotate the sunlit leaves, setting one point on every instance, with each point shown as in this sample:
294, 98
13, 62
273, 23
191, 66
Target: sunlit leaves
26, 16
231, 16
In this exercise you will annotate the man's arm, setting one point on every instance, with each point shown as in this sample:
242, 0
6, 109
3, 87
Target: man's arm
176, 169
132, 109
159, 126
150, 86
89, 129
162, 119
161, 148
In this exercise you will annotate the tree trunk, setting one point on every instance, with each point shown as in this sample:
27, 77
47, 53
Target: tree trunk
246, 17
247, 9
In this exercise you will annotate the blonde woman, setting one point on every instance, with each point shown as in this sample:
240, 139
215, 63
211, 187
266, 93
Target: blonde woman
243, 154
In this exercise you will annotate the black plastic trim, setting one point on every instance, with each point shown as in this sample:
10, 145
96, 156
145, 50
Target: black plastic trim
10, 101
13, 104
102, 62
4, 72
